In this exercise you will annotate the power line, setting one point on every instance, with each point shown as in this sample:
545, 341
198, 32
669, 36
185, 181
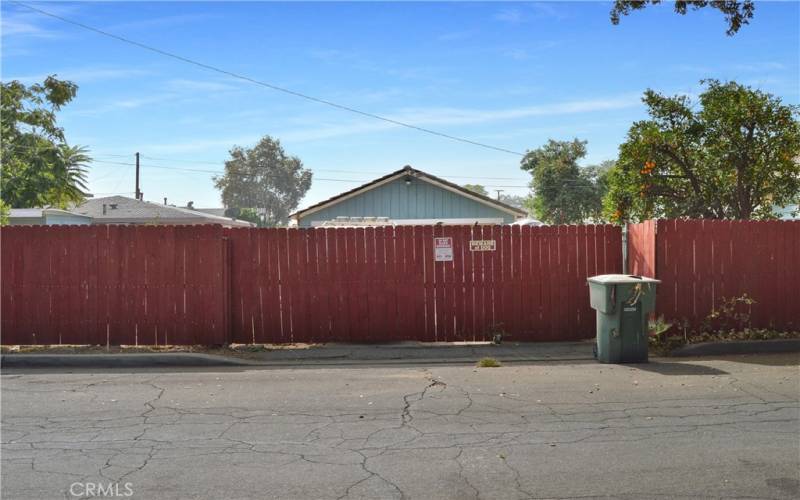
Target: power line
206, 162
182, 160
266, 84
199, 170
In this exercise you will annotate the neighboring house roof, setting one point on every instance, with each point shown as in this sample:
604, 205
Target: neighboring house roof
220, 212
38, 212
123, 210
417, 174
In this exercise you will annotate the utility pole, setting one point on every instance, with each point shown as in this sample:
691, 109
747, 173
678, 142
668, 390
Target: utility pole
138, 192
498, 191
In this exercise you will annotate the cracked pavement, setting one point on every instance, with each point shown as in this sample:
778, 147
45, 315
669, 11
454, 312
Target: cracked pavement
726, 428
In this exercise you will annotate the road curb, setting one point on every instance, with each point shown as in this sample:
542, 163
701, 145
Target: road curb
738, 347
177, 360
117, 360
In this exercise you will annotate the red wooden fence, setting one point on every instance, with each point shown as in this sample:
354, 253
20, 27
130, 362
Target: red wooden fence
642, 248
382, 284
113, 284
206, 285
700, 262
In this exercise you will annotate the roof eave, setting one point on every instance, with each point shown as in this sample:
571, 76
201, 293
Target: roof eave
408, 170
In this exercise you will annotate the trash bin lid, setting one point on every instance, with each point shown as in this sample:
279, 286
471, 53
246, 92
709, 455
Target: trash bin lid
616, 279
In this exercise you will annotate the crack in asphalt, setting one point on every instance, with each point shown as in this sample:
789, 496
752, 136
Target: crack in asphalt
440, 416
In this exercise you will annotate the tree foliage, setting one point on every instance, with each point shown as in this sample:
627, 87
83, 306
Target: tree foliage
737, 12
4, 213
564, 192
39, 167
476, 188
734, 157
515, 201
264, 178
245, 214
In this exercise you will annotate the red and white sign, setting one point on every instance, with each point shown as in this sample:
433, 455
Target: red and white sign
443, 249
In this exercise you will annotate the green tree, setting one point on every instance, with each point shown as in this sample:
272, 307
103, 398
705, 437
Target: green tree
563, 192
514, 200
737, 13
39, 168
245, 214
4, 213
476, 188
597, 176
732, 155
264, 178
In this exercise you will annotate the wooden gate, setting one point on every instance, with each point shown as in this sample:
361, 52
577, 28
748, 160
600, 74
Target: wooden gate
384, 284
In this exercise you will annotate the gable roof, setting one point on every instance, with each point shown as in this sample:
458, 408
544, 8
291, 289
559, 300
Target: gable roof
121, 209
417, 174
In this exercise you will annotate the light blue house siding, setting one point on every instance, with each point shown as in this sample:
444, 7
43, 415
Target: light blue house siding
417, 200
66, 220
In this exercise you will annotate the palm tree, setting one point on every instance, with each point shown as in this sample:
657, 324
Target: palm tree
69, 171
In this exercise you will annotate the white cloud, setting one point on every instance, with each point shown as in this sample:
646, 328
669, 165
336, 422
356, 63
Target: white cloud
160, 22
85, 75
754, 67
455, 36
21, 22
126, 104
201, 145
758, 66
511, 16
16, 26
313, 129
436, 117
547, 9
330, 131
517, 54
333, 55
182, 84
535, 10
456, 116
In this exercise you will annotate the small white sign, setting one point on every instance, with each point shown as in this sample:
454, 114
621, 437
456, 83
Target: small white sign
482, 245
443, 249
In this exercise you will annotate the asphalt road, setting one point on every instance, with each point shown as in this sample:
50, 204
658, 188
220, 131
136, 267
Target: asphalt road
671, 429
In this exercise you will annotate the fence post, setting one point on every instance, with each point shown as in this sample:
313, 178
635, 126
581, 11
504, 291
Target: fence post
625, 249
227, 315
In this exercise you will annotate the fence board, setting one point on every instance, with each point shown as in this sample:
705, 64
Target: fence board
701, 263
203, 284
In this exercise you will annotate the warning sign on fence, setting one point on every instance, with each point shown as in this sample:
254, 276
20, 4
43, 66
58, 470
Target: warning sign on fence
443, 249
482, 245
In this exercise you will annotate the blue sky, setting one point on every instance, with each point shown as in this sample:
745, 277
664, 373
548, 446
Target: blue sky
508, 74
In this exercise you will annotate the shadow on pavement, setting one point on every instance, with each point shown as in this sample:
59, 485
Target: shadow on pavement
772, 359
670, 368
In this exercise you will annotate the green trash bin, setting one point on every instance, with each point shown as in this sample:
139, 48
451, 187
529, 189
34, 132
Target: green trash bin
623, 303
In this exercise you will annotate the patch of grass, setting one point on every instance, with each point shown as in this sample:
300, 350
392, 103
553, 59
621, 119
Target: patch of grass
488, 363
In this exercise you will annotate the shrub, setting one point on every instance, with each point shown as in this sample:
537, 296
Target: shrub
488, 363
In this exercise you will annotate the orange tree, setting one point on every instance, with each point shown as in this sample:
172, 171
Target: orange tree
734, 154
